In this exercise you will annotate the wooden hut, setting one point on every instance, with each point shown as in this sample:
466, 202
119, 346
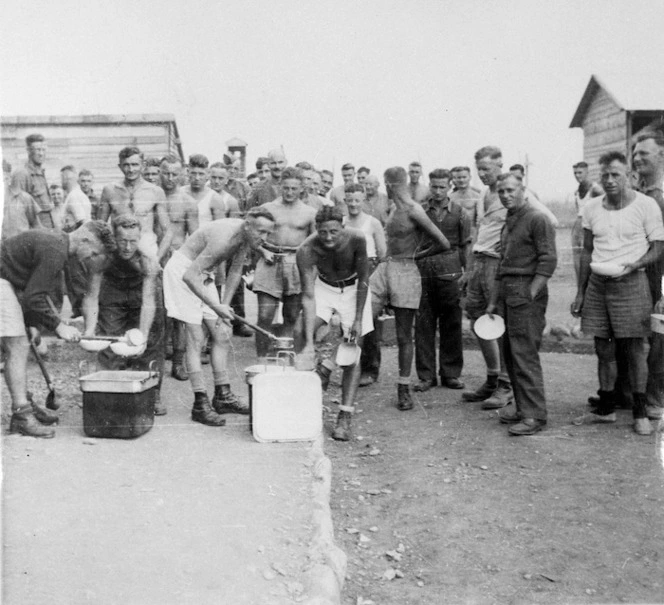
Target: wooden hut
90, 141
612, 118
237, 148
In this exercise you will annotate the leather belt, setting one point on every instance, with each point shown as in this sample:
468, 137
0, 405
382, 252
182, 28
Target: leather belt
343, 283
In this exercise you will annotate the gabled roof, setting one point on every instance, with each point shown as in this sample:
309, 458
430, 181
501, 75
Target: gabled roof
135, 118
631, 92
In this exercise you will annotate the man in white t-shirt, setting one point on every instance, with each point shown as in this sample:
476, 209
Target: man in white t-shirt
625, 228
77, 206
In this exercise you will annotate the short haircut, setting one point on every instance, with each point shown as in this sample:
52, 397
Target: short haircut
171, 158
304, 166
34, 138
414, 165
68, 168
440, 173
260, 162
127, 152
260, 212
460, 169
219, 165
656, 136
612, 156
85, 172
395, 175
103, 232
198, 160
125, 221
347, 166
506, 175
489, 151
253, 175
328, 172
54, 186
354, 188
291, 173
580, 165
518, 167
152, 161
329, 213
364, 169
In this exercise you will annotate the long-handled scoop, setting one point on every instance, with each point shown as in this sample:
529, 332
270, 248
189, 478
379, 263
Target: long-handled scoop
282, 342
133, 337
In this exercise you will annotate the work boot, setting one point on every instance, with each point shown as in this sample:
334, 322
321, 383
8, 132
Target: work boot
500, 398
483, 393
202, 411
159, 406
177, 366
242, 330
366, 380
606, 403
227, 402
42, 414
324, 373
342, 430
23, 421
405, 400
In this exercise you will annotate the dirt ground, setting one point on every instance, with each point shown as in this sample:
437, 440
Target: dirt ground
440, 505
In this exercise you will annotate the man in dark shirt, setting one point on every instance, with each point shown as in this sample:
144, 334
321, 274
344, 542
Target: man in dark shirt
527, 261
32, 179
270, 189
440, 302
31, 269
127, 295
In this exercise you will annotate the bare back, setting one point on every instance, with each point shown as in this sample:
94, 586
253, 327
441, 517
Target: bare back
215, 242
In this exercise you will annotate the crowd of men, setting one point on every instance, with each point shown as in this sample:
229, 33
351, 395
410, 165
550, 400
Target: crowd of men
168, 249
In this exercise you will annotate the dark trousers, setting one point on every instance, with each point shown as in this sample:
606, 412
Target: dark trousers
524, 324
115, 320
439, 309
371, 356
237, 302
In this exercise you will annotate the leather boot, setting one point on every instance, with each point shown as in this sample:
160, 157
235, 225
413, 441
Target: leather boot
405, 400
42, 414
342, 430
483, 392
177, 366
227, 402
202, 411
23, 421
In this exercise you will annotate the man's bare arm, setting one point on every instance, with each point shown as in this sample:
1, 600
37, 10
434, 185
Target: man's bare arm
417, 214
584, 272
197, 275
90, 304
104, 210
234, 275
149, 301
161, 213
307, 268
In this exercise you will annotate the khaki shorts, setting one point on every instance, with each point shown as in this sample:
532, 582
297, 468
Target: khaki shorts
343, 301
481, 284
12, 323
181, 303
280, 279
396, 282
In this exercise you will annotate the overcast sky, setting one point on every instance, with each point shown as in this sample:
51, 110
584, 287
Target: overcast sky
376, 83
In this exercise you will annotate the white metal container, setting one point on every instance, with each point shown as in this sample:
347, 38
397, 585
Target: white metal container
286, 406
116, 381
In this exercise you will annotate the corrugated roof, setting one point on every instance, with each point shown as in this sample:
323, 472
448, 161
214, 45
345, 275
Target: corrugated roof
632, 92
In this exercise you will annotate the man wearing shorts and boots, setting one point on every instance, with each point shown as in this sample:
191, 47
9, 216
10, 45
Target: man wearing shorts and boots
334, 270
31, 269
191, 296
480, 279
277, 277
397, 281
623, 227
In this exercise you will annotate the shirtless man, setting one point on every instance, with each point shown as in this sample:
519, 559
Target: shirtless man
397, 281
209, 202
136, 196
418, 191
219, 177
183, 214
465, 194
337, 195
191, 297
151, 171
277, 277
334, 270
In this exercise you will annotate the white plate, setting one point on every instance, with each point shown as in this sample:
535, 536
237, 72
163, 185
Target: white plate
607, 269
348, 353
490, 329
94, 346
125, 350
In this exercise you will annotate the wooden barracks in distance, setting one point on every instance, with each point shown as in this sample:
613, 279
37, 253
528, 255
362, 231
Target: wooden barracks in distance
90, 141
612, 117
